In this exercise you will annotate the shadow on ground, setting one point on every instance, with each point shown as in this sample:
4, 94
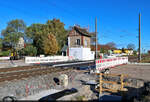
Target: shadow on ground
141, 94
55, 96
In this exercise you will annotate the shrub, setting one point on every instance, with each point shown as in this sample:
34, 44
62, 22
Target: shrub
30, 50
5, 53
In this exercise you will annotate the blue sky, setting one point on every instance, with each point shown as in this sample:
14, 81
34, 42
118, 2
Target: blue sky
117, 20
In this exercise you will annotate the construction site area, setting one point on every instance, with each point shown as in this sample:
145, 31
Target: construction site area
82, 50
41, 82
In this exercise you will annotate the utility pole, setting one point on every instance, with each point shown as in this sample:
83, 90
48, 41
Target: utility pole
139, 57
95, 38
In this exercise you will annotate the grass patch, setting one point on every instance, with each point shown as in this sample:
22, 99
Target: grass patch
145, 60
4, 53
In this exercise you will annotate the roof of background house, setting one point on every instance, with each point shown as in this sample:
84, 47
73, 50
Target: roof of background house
82, 31
124, 49
106, 47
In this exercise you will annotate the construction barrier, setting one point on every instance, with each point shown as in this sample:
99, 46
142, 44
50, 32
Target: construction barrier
47, 59
4, 58
109, 63
101, 81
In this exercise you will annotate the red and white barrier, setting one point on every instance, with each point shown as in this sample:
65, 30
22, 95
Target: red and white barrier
48, 59
5, 58
110, 62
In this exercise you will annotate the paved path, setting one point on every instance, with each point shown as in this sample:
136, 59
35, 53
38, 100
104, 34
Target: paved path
134, 71
14, 63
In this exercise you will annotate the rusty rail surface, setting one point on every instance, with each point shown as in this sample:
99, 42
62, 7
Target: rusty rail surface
17, 73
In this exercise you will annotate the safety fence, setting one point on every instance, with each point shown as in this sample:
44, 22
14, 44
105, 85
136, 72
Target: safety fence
111, 88
110, 62
47, 59
5, 58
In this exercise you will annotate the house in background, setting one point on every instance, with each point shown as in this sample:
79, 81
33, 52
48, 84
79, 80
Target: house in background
117, 51
123, 51
101, 48
79, 44
20, 44
128, 51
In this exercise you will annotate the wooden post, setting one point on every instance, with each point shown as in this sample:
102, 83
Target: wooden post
27, 90
100, 83
122, 84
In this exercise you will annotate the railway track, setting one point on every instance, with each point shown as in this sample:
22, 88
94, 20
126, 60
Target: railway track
69, 63
4, 70
17, 73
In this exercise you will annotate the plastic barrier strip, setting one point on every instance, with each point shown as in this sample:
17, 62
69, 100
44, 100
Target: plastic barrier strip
109, 63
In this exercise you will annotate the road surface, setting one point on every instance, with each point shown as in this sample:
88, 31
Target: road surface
134, 71
14, 63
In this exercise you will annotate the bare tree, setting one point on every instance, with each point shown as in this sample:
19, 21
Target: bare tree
112, 45
131, 46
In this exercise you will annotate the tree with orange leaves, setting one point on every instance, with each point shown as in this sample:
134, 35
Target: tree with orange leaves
50, 45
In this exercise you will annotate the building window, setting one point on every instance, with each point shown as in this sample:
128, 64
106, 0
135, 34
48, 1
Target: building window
78, 41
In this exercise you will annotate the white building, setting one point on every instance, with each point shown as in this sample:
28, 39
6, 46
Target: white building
20, 44
79, 44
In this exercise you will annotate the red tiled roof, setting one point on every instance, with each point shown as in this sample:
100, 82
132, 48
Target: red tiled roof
106, 47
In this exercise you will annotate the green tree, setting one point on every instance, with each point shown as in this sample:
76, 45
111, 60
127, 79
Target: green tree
102, 50
30, 50
38, 32
0, 44
50, 45
14, 30
56, 27
134, 53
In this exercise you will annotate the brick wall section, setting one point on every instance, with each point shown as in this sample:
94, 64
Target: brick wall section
74, 36
88, 41
82, 41
67, 51
73, 41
